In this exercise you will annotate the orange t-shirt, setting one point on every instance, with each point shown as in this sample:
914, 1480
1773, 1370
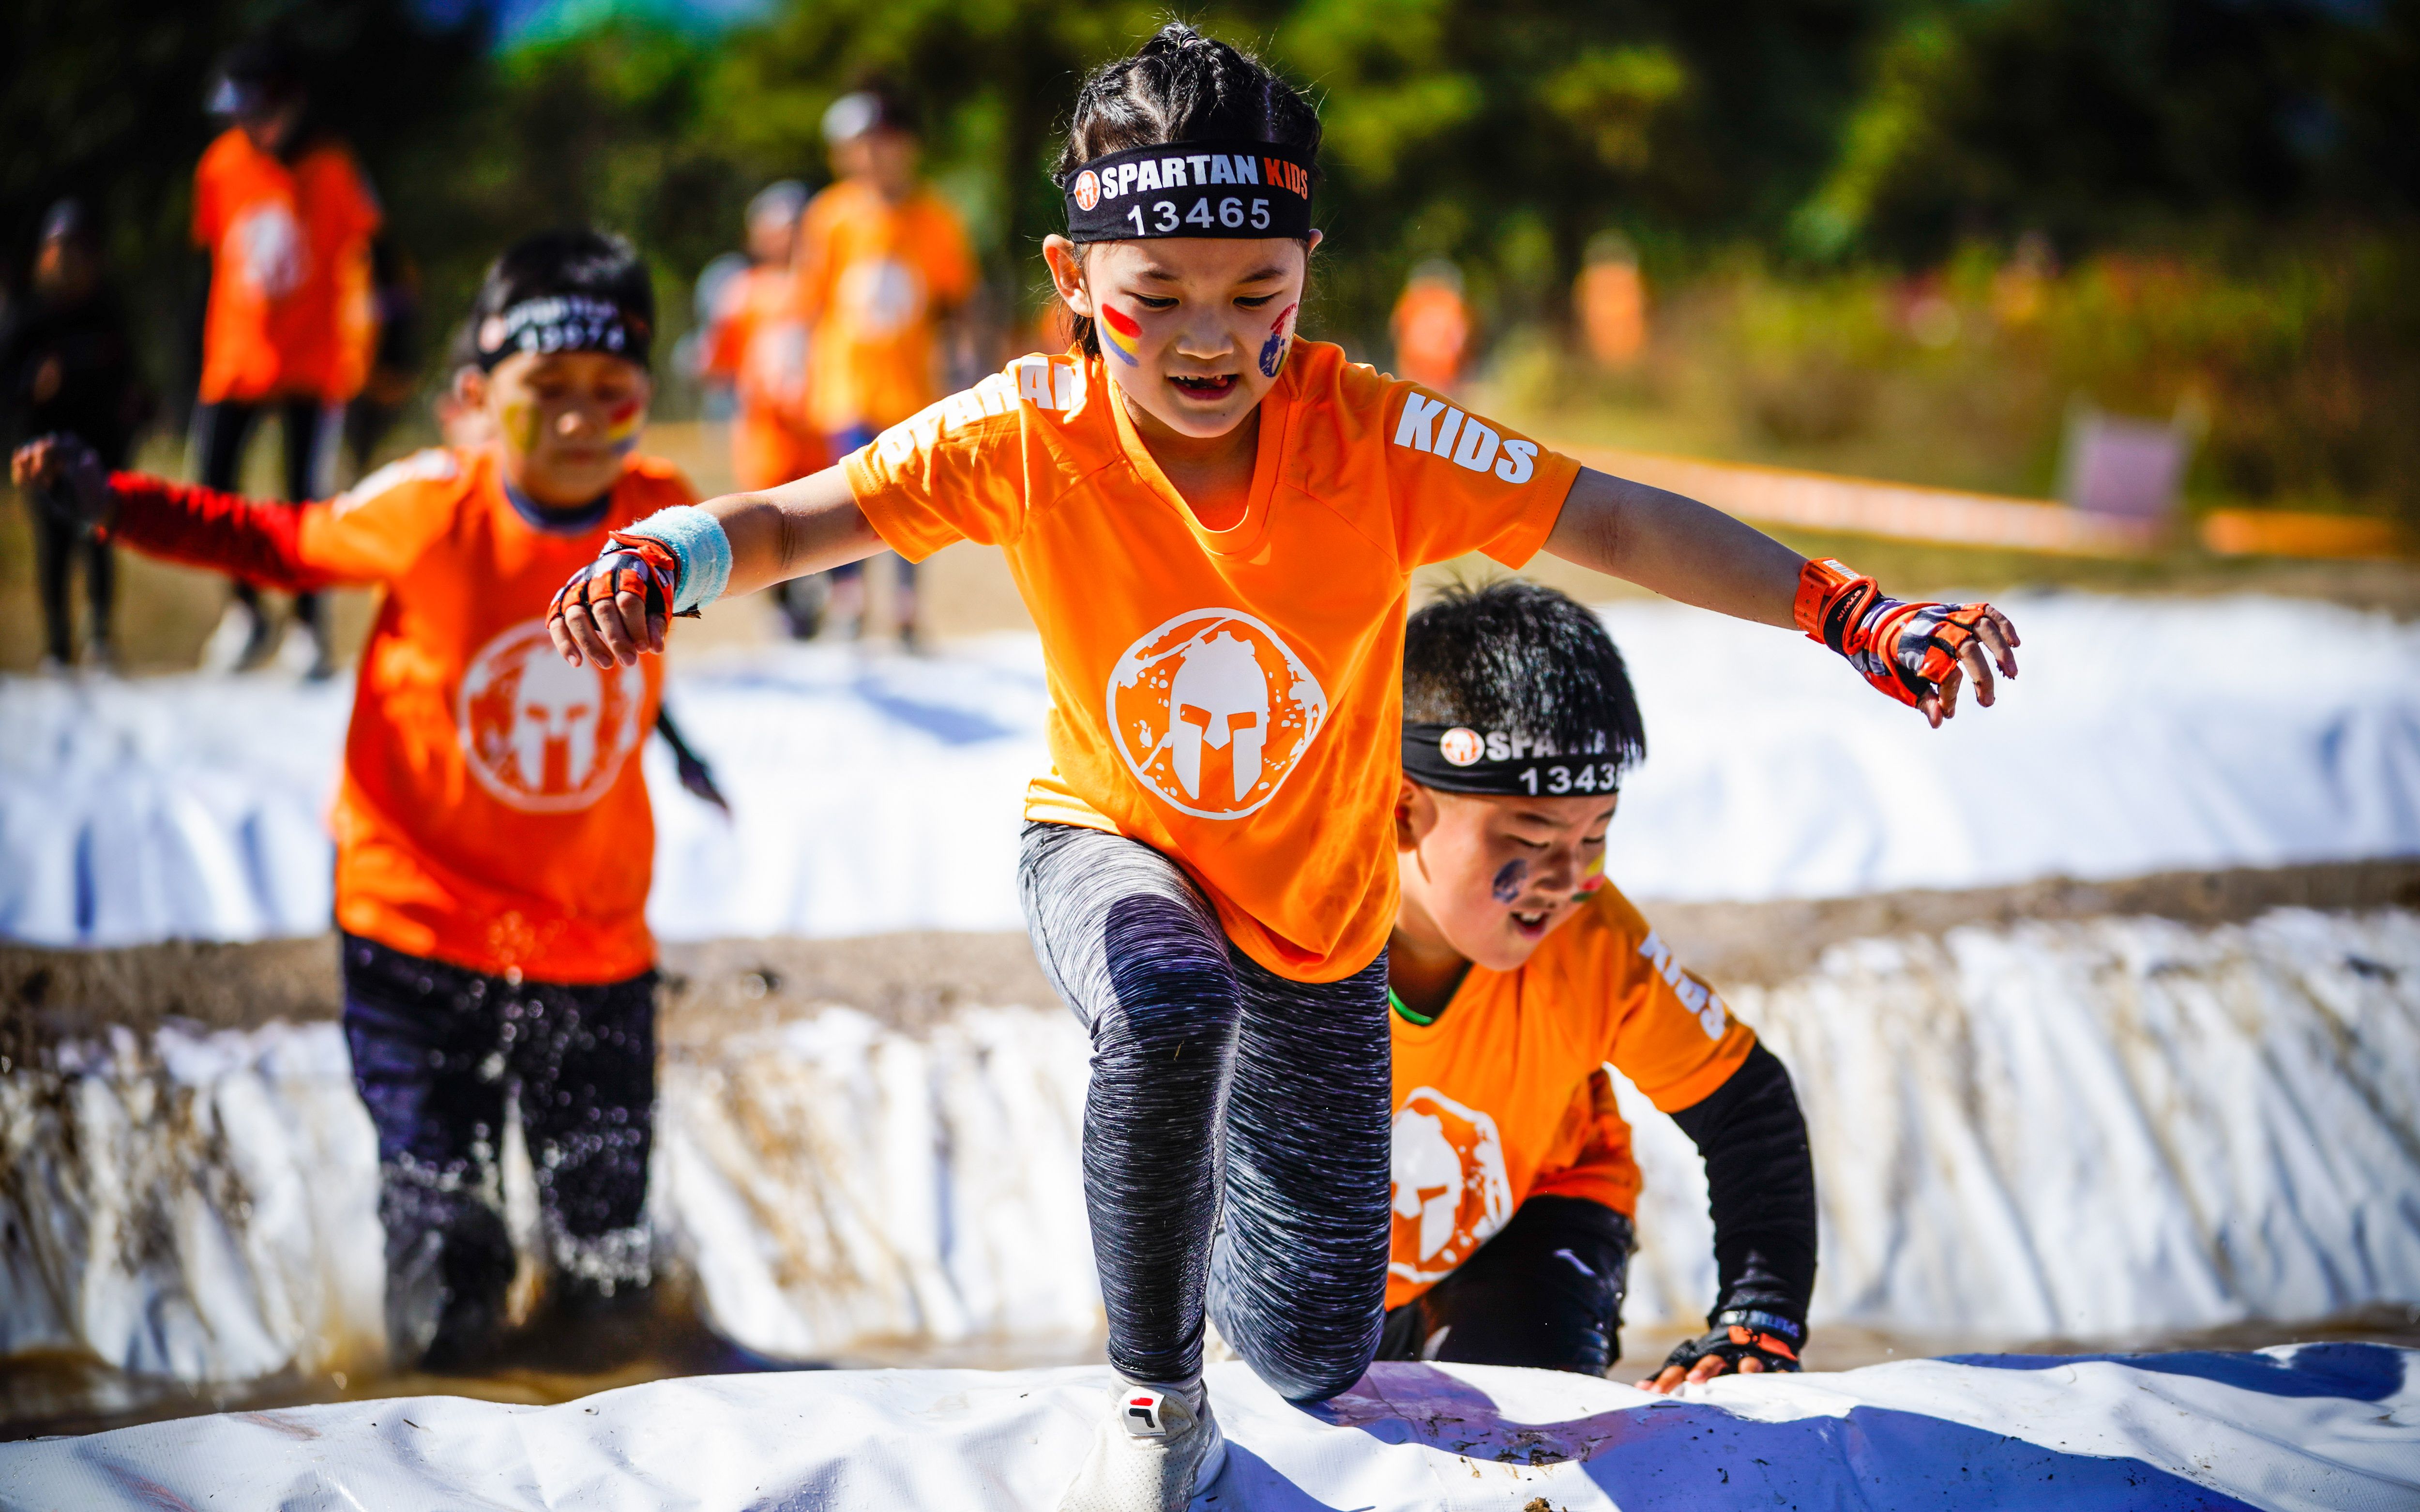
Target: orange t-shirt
1505, 1096
1229, 698
289, 310
871, 277
492, 813
759, 342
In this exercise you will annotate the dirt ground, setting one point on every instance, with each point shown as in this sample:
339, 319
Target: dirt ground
722, 987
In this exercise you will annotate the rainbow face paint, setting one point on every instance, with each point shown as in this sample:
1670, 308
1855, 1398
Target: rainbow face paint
622, 425
1273, 350
1590, 880
1122, 333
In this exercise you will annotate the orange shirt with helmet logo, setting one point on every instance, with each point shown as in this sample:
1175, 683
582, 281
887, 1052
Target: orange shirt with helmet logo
1505, 1097
1229, 698
871, 277
492, 812
759, 343
291, 311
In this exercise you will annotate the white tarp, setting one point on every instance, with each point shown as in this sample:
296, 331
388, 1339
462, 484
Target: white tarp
2297, 1429
882, 793
2089, 1130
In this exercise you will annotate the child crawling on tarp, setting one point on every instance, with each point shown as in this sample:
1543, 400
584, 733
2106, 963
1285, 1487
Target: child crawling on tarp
1516, 976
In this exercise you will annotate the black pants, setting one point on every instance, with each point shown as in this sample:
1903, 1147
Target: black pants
1543, 1291
1236, 1129
224, 429
58, 545
436, 1049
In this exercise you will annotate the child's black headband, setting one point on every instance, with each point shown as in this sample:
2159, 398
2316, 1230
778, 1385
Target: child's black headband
562, 322
1456, 758
1223, 188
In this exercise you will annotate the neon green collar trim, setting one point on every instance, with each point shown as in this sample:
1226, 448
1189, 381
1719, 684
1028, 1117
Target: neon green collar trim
1409, 1017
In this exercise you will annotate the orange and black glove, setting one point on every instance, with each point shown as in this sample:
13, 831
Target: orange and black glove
640, 565
1745, 1333
1908, 650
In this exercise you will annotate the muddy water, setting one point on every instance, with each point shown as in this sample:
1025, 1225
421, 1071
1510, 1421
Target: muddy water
2095, 1132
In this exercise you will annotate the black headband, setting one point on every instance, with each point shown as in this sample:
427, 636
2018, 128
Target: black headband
1456, 758
1223, 188
562, 322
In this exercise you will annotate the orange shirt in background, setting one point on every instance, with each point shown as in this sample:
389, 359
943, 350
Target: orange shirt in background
872, 278
1229, 697
758, 344
492, 813
290, 312
1432, 328
1505, 1096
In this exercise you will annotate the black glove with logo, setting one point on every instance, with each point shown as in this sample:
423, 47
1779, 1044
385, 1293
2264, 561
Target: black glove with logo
1742, 1333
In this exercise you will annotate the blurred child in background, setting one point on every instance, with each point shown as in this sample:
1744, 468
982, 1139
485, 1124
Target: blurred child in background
883, 265
756, 342
285, 216
494, 840
1431, 327
67, 365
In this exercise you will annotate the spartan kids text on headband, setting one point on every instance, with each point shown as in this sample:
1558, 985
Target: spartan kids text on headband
1456, 759
562, 322
1232, 190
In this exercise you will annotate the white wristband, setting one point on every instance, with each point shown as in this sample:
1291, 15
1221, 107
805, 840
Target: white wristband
697, 542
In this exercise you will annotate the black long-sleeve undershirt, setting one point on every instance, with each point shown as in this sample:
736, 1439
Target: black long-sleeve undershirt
1760, 1185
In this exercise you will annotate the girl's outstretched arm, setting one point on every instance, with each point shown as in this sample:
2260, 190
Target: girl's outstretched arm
1917, 653
674, 562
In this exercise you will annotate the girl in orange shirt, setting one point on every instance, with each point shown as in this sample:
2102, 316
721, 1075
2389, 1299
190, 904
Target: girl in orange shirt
1215, 527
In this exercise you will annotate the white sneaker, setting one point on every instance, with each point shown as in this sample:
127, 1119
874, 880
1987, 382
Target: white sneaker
1153, 1453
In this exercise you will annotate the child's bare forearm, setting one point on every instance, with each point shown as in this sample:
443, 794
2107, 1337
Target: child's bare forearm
1677, 547
810, 524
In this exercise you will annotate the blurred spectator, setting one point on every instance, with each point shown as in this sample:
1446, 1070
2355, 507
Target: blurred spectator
287, 218
756, 342
2021, 289
883, 263
1612, 300
67, 364
1432, 326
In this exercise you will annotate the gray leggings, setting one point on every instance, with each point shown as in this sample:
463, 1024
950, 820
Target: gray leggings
1235, 1131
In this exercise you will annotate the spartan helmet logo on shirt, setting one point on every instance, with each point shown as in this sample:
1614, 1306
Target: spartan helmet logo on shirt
883, 294
1212, 711
1451, 1188
541, 735
265, 245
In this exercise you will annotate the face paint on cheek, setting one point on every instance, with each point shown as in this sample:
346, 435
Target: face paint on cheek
1590, 880
1509, 879
1273, 350
622, 423
1122, 333
519, 425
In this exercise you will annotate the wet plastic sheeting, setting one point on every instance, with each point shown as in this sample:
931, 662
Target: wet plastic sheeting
2315, 1427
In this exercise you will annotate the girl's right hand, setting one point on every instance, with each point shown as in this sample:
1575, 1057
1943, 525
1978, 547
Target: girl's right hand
617, 606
